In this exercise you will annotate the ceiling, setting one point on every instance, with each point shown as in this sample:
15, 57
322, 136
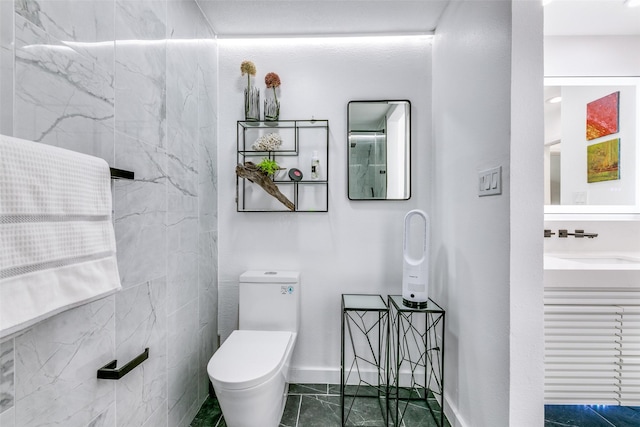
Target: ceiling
238, 18
322, 17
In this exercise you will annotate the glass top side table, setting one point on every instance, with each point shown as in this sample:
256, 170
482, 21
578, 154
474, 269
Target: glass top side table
416, 362
363, 357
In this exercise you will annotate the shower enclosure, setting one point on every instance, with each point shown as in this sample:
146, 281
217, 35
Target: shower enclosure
368, 164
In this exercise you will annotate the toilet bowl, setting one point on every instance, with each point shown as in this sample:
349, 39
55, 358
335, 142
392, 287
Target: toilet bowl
250, 370
250, 374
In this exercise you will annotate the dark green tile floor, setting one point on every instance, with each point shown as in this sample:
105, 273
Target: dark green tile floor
318, 405
591, 416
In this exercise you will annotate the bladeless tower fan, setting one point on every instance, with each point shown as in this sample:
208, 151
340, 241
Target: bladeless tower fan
415, 256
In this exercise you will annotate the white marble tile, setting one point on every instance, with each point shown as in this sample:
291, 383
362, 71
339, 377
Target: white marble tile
207, 168
208, 346
106, 418
7, 375
87, 26
183, 354
141, 322
182, 126
159, 418
182, 261
190, 414
208, 278
6, 67
140, 212
8, 418
62, 98
141, 70
56, 365
141, 19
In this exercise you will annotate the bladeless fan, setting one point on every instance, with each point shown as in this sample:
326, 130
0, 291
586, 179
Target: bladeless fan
415, 269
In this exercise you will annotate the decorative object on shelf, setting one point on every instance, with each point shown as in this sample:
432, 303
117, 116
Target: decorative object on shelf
253, 173
269, 166
295, 174
272, 105
268, 142
251, 94
315, 166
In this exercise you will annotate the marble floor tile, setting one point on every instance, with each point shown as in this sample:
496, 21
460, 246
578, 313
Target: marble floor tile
317, 410
620, 416
311, 405
291, 411
308, 389
592, 415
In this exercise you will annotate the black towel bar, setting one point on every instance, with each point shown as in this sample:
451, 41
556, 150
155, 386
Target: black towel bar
121, 174
109, 371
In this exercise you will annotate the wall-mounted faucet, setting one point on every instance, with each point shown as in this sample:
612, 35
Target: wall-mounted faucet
579, 234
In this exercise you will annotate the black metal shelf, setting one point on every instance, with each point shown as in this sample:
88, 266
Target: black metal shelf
300, 139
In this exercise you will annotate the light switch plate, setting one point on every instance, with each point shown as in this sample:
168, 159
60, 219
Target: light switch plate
490, 182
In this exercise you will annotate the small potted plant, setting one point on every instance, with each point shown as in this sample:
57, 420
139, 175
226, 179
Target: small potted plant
269, 167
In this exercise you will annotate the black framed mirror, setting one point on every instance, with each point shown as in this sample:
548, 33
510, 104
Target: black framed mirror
379, 150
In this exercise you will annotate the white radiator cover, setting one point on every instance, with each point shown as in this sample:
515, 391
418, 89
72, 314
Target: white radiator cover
592, 346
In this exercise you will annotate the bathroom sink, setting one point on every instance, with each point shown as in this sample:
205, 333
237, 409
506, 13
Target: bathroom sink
592, 269
601, 260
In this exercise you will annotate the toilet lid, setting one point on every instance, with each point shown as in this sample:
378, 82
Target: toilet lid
248, 358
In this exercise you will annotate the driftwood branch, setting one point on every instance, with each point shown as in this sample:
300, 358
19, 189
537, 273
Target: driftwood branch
251, 172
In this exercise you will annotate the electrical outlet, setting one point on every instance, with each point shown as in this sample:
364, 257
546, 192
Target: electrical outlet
490, 182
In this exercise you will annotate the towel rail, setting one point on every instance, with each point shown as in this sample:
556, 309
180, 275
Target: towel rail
121, 174
109, 371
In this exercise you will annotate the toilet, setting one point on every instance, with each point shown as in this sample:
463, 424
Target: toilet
250, 370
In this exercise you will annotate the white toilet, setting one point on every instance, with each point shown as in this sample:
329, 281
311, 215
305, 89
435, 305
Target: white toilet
250, 370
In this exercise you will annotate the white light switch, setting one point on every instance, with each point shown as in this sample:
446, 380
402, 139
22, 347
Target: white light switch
490, 182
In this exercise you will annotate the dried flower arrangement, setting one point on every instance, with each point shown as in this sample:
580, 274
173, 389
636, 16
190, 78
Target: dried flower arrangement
248, 68
272, 80
272, 106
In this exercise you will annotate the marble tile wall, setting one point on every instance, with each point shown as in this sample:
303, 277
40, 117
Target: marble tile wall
133, 82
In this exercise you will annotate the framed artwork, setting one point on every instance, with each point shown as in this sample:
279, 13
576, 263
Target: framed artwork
603, 116
603, 161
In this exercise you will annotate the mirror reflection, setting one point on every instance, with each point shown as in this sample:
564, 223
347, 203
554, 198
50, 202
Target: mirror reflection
591, 142
378, 144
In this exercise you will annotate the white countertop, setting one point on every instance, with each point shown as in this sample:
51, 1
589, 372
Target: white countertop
592, 261
576, 269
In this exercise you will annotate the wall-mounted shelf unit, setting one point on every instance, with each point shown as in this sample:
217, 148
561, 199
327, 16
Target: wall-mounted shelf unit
300, 139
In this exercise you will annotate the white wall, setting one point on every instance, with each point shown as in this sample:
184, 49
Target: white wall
526, 367
484, 83
574, 56
356, 246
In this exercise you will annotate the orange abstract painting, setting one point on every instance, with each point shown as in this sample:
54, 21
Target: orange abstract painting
602, 116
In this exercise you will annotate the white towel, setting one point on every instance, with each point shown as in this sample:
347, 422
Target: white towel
57, 243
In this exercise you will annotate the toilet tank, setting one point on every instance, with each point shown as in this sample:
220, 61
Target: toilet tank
269, 300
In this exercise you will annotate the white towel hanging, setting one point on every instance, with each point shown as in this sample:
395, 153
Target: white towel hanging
57, 243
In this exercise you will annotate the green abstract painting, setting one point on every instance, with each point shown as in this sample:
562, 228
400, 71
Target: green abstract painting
603, 160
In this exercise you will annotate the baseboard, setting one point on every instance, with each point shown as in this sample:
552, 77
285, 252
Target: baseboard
452, 414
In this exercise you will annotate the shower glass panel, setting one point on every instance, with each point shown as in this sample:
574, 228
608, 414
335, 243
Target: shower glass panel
368, 165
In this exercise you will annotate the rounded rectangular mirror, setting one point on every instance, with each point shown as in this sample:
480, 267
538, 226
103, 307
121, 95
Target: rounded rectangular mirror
592, 158
379, 150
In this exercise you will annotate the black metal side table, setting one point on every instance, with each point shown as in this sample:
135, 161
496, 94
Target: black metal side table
416, 362
365, 329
